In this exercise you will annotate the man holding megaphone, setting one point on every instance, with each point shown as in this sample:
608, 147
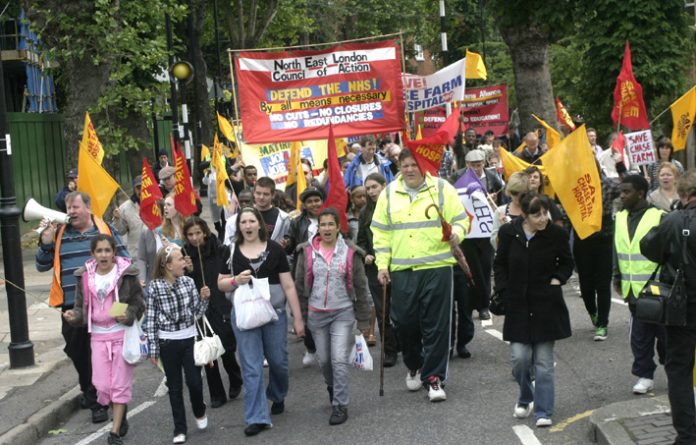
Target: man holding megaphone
65, 248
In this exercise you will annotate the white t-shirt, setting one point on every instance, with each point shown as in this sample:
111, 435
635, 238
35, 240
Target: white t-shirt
103, 283
313, 228
367, 169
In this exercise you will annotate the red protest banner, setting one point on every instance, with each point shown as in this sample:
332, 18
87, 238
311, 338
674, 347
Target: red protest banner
295, 95
629, 107
149, 194
430, 120
185, 197
485, 109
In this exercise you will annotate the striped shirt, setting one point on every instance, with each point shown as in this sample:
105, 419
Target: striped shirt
170, 308
74, 251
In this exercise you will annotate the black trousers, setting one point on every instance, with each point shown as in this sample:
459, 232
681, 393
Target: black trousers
479, 254
222, 327
593, 257
462, 322
78, 349
679, 367
391, 344
421, 311
177, 356
645, 338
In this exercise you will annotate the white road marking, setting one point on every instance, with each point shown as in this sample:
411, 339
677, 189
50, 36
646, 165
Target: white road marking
106, 428
496, 333
488, 322
619, 301
526, 435
162, 388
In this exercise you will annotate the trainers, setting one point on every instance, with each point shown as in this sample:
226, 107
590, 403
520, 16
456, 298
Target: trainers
522, 410
390, 359
255, 428
595, 319
413, 380
308, 359
179, 438
100, 414
114, 439
543, 422
484, 314
278, 407
600, 334
339, 414
643, 386
435, 391
202, 423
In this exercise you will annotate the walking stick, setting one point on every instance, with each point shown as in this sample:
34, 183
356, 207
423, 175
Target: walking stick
381, 335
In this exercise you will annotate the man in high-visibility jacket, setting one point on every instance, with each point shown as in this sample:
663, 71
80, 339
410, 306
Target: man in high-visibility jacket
411, 255
632, 270
65, 249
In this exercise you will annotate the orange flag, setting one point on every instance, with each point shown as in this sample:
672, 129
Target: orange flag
150, 193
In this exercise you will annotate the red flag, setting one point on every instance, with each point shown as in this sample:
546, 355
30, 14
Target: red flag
563, 116
338, 198
428, 151
149, 195
629, 108
619, 146
185, 197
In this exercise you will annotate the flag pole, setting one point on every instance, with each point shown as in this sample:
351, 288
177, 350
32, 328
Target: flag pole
200, 258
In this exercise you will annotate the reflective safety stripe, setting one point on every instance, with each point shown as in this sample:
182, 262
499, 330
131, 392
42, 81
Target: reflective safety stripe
420, 260
379, 225
383, 250
408, 225
460, 217
631, 257
441, 194
635, 277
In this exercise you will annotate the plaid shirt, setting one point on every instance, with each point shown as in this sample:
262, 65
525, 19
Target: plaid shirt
171, 308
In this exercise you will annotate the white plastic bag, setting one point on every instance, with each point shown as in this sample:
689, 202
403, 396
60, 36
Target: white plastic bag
360, 355
252, 305
134, 344
209, 348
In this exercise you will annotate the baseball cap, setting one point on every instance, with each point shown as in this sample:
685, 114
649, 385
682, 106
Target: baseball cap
166, 172
475, 156
311, 191
138, 180
72, 173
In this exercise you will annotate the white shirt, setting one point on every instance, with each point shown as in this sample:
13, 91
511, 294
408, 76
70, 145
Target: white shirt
103, 283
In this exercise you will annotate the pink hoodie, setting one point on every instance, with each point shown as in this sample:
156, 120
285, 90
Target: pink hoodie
98, 311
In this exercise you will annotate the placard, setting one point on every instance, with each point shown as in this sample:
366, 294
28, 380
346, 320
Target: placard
641, 148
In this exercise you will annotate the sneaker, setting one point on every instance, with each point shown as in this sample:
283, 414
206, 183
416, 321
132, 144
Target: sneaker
277, 407
595, 319
179, 438
413, 380
308, 359
390, 359
217, 403
255, 428
202, 423
234, 392
100, 414
643, 386
543, 422
435, 391
484, 314
339, 414
114, 439
522, 411
600, 334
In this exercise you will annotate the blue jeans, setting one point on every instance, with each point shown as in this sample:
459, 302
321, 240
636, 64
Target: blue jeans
539, 355
333, 336
269, 341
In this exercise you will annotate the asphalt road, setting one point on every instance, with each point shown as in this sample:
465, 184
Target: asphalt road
480, 398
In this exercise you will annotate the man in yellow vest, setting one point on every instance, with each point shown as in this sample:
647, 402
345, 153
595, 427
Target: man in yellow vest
632, 270
64, 249
411, 255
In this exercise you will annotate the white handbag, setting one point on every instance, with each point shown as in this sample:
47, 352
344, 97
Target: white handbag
134, 344
209, 348
252, 305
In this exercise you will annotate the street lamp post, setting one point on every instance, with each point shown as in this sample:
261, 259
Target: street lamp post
21, 349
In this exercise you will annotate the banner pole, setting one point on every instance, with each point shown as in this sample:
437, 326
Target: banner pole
403, 70
312, 45
234, 88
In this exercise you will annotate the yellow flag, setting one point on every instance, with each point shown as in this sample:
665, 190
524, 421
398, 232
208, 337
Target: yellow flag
512, 164
295, 156
95, 181
90, 141
553, 138
475, 69
419, 133
226, 128
573, 172
205, 152
218, 162
683, 112
301, 181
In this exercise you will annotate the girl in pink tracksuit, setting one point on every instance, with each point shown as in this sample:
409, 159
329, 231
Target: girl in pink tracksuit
104, 280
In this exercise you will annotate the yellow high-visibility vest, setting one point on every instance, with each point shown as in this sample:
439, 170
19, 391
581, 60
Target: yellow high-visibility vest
634, 267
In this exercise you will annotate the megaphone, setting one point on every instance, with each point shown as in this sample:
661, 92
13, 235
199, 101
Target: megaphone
33, 211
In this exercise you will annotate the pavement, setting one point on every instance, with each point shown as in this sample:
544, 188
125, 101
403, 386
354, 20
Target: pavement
35, 401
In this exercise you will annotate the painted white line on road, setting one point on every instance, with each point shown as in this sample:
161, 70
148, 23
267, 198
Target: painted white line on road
619, 301
105, 429
162, 388
495, 333
526, 435
488, 322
